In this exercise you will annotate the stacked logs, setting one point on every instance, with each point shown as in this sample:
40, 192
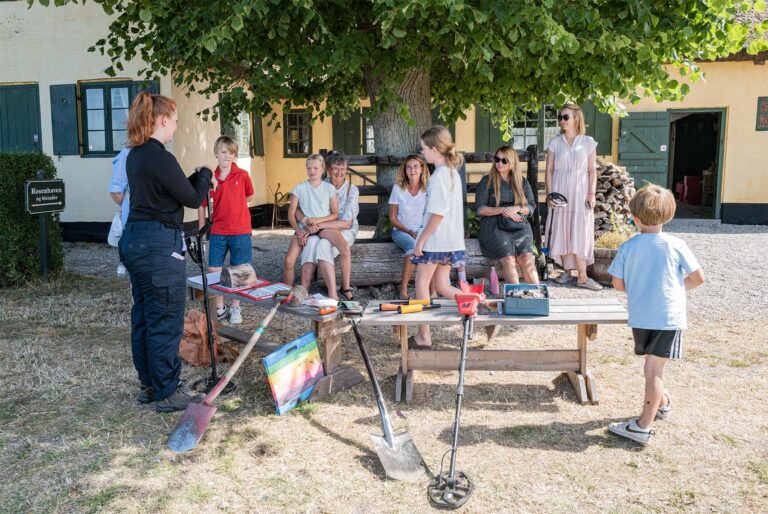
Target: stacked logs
614, 190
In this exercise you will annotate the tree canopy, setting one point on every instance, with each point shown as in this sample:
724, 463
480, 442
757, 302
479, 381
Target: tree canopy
505, 55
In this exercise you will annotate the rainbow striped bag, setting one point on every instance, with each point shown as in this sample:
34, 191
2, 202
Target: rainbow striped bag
293, 370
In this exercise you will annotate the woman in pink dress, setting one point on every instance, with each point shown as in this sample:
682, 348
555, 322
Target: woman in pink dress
571, 172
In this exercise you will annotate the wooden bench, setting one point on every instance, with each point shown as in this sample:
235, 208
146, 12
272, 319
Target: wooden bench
328, 329
586, 314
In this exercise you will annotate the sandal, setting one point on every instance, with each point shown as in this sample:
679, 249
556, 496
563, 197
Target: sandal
413, 345
350, 291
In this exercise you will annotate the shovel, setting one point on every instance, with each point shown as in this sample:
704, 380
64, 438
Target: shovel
195, 419
397, 452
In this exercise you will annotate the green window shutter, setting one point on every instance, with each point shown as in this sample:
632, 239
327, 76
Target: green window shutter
64, 119
138, 86
599, 127
347, 134
257, 133
436, 120
482, 130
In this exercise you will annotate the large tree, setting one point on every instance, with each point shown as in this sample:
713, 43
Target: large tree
407, 56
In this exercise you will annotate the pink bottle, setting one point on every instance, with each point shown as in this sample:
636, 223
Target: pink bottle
493, 279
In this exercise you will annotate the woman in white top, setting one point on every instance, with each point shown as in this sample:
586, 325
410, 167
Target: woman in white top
571, 171
406, 209
440, 243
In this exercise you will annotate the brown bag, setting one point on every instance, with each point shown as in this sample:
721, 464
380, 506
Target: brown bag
193, 348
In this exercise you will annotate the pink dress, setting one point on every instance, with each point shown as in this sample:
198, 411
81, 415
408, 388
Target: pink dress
572, 227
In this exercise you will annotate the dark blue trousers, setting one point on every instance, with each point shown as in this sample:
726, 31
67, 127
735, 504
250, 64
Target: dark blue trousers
152, 254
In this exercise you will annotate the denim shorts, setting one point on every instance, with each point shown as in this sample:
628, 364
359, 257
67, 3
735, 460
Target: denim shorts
239, 247
403, 240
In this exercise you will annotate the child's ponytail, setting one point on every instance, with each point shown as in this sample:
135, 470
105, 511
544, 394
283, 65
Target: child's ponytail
141, 119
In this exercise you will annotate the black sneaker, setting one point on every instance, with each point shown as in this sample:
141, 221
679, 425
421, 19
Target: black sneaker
179, 400
146, 394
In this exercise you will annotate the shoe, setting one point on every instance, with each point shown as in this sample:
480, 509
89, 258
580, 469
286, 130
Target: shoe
235, 318
564, 278
121, 270
179, 400
223, 313
413, 345
631, 430
348, 294
662, 413
146, 394
589, 284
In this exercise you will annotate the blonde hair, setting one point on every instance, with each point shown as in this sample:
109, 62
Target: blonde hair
316, 157
402, 179
578, 117
653, 205
516, 177
145, 109
226, 142
439, 138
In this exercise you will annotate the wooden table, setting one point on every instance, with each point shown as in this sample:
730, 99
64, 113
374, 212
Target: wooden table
586, 314
328, 329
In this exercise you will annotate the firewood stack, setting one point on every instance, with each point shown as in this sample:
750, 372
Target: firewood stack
614, 190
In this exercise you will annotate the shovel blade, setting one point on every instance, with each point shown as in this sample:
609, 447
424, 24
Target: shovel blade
191, 427
402, 461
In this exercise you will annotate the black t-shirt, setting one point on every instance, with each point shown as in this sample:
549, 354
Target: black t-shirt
159, 188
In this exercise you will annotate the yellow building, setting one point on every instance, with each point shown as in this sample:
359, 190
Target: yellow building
55, 98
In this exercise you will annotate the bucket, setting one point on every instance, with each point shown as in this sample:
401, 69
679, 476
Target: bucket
599, 270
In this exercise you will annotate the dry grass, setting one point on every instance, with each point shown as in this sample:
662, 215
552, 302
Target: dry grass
73, 439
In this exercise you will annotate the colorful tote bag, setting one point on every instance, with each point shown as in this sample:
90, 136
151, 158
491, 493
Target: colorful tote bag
293, 370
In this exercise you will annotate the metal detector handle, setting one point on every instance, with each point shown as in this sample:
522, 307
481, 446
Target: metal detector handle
387, 425
208, 322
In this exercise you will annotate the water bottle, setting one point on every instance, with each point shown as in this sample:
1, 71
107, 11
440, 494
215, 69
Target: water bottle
493, 280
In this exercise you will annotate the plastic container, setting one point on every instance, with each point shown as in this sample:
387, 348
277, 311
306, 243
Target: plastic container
526, 306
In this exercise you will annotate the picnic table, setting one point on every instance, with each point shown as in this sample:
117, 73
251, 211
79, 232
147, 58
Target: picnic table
586, 314
328, 329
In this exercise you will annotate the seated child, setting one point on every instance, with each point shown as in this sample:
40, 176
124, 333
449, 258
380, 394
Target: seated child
317, 201
655, 270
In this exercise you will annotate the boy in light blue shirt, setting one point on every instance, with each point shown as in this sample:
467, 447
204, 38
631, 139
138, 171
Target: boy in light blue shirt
656, 270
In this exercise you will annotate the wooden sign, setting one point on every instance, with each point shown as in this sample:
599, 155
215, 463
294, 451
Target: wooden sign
293, 370
762, 113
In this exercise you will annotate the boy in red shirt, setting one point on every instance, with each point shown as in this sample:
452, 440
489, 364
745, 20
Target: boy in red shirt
231, 229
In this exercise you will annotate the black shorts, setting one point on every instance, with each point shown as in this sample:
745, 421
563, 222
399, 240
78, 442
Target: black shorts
661, 343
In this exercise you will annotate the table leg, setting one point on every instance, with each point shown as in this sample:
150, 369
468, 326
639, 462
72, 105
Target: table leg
399, 385
337, 378
404, 371
587, 333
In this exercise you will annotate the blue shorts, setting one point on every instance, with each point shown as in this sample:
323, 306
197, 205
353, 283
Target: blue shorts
239, 247
403, 240
453, 259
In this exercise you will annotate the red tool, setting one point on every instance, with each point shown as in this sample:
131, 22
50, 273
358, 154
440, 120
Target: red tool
469, 299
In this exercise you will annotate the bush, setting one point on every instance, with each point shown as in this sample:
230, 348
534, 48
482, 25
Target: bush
19, 230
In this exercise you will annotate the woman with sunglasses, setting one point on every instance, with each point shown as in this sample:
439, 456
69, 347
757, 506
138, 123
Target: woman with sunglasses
406, 209
571, 171
504, 200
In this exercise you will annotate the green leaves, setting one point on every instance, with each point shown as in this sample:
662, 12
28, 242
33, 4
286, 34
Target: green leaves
145, 15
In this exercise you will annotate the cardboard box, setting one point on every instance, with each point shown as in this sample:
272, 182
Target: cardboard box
526, 306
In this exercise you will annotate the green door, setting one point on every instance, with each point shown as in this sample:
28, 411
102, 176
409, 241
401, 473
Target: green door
643, 146
20, 119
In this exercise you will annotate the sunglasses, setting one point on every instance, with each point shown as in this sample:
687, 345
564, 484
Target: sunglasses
502, 160
563, 117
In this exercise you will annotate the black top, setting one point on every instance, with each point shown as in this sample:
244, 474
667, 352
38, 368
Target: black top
159, 188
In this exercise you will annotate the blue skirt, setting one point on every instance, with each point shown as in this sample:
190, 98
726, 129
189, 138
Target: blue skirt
455, 259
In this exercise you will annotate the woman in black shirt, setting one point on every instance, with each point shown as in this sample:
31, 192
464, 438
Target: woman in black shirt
152, 249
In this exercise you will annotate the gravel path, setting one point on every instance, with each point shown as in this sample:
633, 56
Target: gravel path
734, 258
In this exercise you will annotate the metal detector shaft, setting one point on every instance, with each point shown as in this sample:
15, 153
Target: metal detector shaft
469, 323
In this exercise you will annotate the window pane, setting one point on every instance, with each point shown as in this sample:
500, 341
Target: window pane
119, 119
96, 119
243, 135
119, 138
94, 98
96, 142
119, 97
551, 127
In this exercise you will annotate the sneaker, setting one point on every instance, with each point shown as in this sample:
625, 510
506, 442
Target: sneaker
235, 317
631, 430
179, 400
146, 394
662, 413
564, 278
223, 313
121, 270
589, 284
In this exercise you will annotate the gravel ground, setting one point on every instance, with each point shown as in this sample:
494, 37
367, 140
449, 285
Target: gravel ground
733, 257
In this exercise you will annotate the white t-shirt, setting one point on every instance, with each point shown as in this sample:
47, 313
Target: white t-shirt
410, 209
445, 199
314, 202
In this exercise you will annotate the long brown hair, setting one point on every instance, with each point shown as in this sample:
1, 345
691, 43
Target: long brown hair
145, 109
516, 182
439, 138
402, 179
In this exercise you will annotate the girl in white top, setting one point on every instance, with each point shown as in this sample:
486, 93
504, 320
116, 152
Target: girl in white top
406, 210
440, 243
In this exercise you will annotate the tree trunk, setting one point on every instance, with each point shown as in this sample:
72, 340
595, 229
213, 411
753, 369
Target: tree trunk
393, 135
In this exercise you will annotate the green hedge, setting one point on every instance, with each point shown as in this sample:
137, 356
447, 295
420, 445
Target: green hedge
19, 230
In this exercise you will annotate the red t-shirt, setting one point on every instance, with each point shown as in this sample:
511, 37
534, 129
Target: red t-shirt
231, 216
